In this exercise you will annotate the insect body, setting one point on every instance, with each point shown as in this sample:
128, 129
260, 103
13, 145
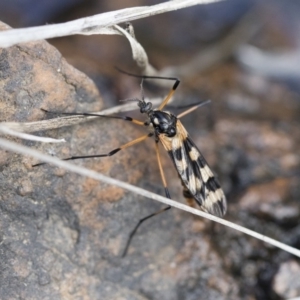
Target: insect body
198, 180
193, 170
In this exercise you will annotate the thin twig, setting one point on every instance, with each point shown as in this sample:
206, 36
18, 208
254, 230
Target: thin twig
6, 130
92, 174
66, 120
93, 24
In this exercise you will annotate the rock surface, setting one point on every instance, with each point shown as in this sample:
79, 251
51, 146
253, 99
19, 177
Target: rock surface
62, 235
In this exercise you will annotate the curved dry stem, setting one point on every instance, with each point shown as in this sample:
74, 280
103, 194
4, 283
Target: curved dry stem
92, 174
94, 24
18, 129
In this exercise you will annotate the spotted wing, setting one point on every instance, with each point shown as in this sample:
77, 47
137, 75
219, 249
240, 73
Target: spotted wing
194, 172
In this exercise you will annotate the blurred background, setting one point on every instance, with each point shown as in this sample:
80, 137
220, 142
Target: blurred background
245, 57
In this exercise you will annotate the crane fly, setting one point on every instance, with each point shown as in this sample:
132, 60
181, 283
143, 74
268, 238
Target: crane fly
199, 182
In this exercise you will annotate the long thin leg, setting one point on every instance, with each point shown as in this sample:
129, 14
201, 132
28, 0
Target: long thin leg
162, 174
125, 118
189, 110
138, 140
169, 96
167, 99
198, 104
153, 214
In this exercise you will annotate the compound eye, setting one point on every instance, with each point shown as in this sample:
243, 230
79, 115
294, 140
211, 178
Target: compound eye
149, 106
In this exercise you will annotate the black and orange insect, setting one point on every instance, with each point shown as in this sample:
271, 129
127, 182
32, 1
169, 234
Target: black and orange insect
199, 183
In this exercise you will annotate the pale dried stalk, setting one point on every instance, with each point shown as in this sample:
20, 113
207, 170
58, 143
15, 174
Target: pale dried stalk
139, 55
6, 130
18, 129
94, 24
92, 174
283, 64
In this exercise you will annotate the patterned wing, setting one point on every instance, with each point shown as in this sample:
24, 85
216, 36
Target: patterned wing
194, 172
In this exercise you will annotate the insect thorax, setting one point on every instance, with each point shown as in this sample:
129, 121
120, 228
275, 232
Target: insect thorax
163, 122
